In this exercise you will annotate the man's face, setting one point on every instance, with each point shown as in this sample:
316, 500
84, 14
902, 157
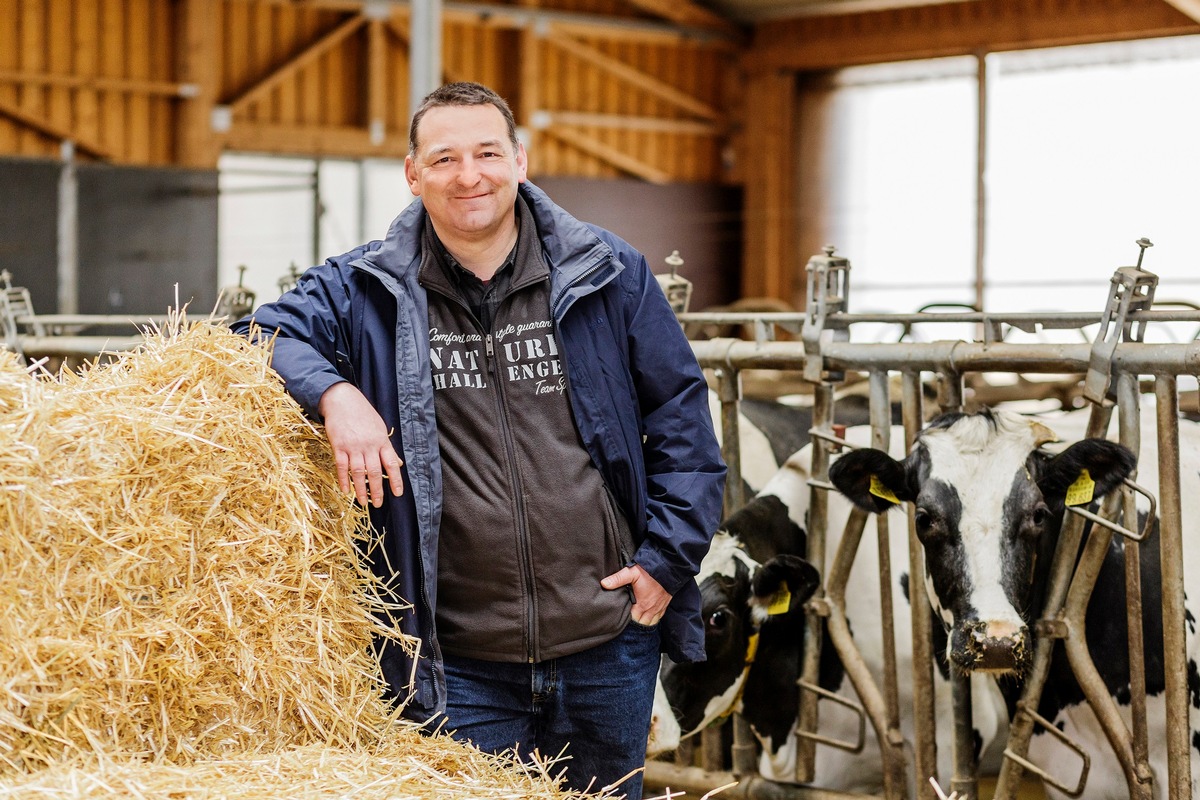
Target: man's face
465, 170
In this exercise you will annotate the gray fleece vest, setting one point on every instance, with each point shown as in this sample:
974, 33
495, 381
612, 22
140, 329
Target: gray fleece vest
528, 527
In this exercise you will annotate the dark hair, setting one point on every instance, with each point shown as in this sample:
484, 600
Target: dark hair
461, 94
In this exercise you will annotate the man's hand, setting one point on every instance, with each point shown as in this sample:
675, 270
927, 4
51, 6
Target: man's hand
361, 448
650, 599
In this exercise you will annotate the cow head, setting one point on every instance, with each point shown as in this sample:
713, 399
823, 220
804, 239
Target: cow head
988, 504
742, 602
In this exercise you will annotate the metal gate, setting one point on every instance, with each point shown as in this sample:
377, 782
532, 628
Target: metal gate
1114, 363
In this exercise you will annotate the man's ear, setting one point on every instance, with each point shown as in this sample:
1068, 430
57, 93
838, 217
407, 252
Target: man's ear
871, 479
1106, 464
791, 571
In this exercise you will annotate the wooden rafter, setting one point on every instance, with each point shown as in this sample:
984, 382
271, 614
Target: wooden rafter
297, 62
628, 74
633, 123
325, 140
95, 83
685, 12
609, 154
1189, 7
53, 131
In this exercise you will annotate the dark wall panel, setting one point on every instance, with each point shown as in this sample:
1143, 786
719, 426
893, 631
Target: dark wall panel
141, 232
29, 228
701, 221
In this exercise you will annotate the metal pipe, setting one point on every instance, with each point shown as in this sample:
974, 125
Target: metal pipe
1179, 780
1074, 614
1130, 418
68, 232
924, 712
814, 625
852, 661
744, 750
892, 747
661, 775
77, 346
955, 357
425, 51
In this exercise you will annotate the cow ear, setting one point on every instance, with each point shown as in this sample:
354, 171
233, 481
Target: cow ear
871, 479
1086, 470
782, 583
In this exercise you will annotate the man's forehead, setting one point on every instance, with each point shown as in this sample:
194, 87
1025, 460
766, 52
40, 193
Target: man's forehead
452, 127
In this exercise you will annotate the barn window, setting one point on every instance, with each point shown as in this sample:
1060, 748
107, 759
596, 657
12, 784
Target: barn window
1086, 149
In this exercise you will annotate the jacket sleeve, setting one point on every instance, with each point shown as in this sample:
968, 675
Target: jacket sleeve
685, 474
310, 327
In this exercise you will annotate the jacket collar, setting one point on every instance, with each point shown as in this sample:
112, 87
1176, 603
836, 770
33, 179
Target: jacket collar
571, 249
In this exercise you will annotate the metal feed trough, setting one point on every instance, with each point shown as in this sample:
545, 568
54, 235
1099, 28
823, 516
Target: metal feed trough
1113, 363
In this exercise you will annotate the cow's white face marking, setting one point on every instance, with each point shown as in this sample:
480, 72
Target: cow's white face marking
979, 458
722, 558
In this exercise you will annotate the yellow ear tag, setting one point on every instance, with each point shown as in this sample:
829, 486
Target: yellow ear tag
880, 490
780, 602
1080, 492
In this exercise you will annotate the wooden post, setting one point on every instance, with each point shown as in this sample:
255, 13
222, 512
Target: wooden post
769, 262
197, 65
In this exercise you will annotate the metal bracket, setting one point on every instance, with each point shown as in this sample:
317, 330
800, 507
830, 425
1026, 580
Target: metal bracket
1132, 290
1062, 737
1139, 536
828, 293
850, 747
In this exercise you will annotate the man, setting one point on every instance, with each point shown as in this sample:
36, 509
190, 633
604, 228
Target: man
560, 478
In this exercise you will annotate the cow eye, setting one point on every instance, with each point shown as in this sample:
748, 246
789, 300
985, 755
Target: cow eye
719, 619
923, 519
1040, 514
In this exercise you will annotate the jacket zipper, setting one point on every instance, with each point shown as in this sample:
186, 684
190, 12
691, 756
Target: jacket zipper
525, 560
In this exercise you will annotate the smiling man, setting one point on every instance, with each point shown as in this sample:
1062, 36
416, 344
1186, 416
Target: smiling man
509, 392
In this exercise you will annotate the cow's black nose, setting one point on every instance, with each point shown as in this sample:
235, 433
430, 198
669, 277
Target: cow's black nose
974, 650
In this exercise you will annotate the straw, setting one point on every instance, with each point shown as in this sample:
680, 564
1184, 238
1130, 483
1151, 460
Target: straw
186, 610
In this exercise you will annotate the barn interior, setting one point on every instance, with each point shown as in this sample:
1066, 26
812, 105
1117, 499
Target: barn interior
1007, 186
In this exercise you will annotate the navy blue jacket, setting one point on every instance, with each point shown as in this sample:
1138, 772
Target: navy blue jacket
638, 397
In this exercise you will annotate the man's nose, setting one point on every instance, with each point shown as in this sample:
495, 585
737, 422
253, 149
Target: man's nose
468, 172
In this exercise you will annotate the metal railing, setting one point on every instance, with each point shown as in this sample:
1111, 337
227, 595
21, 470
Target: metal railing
1112, 366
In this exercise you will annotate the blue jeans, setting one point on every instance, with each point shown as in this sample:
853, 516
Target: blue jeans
596, 704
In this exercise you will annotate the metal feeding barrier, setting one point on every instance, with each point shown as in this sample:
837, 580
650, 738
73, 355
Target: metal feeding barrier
1112, 366
86, 336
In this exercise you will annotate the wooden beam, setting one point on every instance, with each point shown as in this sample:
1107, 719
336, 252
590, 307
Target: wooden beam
957, 29
1189, 7
313, 140
198, 61
96, 83
623, 72
513, 17
632, 123
769, 263
529, 99
685, 12
43, 127
609, 155
297, 62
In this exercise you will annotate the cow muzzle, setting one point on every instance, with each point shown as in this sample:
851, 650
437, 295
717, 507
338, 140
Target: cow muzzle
997, 648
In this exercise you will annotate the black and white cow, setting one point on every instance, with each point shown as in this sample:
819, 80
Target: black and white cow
757, 549
988, 504
768, 432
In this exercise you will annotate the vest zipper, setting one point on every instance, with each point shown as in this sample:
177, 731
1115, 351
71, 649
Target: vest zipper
525, 560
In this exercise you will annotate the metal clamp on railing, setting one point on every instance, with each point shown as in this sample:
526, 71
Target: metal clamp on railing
1121, 529
828, 293
1132, 290
850, 747
1067, 742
